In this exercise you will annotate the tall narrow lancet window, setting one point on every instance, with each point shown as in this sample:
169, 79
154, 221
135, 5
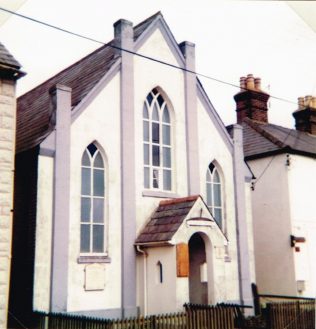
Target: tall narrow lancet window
157, 143
214, 193
92, 201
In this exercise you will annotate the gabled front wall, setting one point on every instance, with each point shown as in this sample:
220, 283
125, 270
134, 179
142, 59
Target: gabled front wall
99, 122
302, 180
274, 258
211, 147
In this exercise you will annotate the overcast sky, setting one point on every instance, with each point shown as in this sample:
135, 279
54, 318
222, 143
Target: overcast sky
266, 38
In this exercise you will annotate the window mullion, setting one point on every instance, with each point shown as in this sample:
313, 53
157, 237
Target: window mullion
91, 209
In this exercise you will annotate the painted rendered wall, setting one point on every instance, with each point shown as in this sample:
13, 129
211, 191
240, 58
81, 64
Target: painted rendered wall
161, 296
100, 123
44, 219
220, 289
171, 82
302, 180
7, 151
249, 221
274, 257
212, 147
103, 110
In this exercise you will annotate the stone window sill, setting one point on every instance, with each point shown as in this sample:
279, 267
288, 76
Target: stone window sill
90, 259
160, 194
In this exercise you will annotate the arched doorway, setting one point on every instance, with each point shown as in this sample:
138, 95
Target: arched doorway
198, 288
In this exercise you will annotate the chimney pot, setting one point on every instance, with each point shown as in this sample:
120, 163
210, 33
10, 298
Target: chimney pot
301, 103
308, 99
243, 85
258, 83
305, 116
250, 82
251, 101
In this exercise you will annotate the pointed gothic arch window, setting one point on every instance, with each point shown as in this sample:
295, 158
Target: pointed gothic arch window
157, 143
92, 201
214, 193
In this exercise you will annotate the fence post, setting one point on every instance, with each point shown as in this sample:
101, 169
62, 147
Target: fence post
46, 321
153, 321
298, 316
256, 299
269, 316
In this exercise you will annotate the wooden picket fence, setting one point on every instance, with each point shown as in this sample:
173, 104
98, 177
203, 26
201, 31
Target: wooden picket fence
291, 315
212, 317
276, 315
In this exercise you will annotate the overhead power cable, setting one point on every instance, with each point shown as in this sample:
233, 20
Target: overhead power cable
134, 53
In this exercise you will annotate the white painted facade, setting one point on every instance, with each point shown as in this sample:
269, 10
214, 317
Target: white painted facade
283, 205
96, 289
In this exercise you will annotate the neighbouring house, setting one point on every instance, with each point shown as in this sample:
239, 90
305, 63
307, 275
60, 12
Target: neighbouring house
283, 161
9, 73
131, 197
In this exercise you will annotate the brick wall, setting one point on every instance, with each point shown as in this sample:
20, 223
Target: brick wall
7, 150
253, 105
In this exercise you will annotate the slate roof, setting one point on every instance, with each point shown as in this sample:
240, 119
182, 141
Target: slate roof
264, 139
7, 59
34, 108
166, 220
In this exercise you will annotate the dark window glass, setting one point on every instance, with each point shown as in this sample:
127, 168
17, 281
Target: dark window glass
85, 209
217, 195
155, 178
167, 180
98, 205
166, 135
92, 149
98, 161
149, 98
166, 117
218, 216
156, 155
98, 238
85, 181
211, 166
146, 131
160, 101
166, 157
155, 114
85, 159
146, 154
85, 238
98, 182
155, 132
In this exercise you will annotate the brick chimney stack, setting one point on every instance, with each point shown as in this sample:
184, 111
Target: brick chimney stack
251, 101
305, 115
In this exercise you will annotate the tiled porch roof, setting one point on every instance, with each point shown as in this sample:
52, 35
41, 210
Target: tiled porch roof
166, 220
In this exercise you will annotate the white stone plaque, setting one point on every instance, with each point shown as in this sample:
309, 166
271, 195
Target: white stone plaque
94, 277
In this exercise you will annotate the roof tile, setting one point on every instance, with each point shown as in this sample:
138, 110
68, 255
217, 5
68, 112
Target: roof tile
7, 59
266, 138
166, 220
34, 109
